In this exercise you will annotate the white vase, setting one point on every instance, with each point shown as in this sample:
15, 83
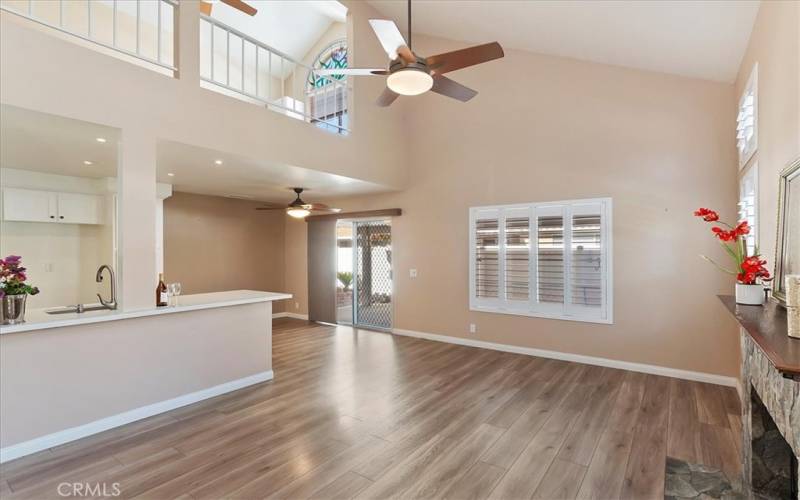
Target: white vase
751, 295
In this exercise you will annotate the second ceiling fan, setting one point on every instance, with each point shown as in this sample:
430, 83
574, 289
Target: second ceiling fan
410, 74
206, 5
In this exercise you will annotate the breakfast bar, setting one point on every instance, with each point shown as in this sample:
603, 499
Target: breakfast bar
66, 376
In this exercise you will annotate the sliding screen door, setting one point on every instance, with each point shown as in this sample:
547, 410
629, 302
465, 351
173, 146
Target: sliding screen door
373, 276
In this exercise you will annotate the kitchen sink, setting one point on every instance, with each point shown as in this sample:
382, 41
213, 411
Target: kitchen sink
73, 309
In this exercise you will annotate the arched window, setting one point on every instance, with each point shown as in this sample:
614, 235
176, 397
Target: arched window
327, 95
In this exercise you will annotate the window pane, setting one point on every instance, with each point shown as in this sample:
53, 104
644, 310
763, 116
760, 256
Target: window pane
586, 270
551, 259
748, 207
517, 258
486, 255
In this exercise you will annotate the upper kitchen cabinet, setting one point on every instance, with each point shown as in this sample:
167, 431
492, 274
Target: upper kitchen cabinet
30, 205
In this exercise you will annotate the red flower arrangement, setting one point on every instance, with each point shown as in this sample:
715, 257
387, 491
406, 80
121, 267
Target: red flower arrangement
749, 269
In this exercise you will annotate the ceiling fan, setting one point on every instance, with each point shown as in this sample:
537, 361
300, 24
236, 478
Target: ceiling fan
409, 74
300, 209
205, 6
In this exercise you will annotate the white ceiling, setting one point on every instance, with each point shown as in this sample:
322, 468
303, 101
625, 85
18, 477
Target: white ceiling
47, 143
700, 38
291, 26
196, 172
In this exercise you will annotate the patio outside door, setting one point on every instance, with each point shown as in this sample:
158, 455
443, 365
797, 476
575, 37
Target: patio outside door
364, 273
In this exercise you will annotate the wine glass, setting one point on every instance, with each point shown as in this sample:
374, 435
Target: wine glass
174, 290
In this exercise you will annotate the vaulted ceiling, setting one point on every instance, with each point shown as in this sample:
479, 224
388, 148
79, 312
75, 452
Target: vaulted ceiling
699, 38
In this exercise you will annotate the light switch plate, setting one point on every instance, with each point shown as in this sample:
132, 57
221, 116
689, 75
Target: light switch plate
412, 273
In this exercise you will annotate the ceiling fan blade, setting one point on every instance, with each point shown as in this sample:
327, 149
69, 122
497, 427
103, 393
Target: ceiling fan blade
463, 58
270, 208
238, 4
392, 41
451, 88
351, 71
328, 210
387, 97
320, 206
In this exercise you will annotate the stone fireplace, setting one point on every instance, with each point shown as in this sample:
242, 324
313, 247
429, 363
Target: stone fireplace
771, 425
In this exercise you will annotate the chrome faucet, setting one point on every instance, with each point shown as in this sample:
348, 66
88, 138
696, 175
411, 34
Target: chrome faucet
111, 304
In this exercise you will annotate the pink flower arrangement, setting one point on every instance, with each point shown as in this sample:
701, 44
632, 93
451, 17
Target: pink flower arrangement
13, 277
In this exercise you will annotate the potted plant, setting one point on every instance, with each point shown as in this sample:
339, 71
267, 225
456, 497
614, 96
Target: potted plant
750, 271
13, 290
345, 278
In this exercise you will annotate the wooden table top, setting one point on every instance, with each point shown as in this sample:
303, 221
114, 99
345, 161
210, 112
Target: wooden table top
767, 326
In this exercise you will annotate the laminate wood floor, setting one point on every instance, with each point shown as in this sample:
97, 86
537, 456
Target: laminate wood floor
360, 414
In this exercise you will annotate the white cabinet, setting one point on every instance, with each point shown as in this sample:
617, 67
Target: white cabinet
29, 205
78, 208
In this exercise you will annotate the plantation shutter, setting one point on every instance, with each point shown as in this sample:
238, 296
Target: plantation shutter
327, 101
486, 255
517, 255
586, 257
548, 259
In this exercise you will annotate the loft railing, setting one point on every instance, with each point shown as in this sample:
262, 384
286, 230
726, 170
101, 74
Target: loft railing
144, 29
240, 64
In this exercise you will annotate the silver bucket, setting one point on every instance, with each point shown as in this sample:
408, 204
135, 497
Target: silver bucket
13, 310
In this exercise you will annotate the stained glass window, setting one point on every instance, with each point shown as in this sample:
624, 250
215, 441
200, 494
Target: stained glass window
326, 101
333, 57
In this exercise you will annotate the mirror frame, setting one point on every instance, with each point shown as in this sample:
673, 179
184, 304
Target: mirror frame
788, 174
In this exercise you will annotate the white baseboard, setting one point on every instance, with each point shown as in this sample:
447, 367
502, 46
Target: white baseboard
290, 315
578, 358
57, 438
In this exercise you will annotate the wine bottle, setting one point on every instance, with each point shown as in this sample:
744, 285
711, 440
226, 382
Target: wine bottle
161, 291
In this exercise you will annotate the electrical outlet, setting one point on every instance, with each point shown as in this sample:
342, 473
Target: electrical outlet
473, 328
412, 273
297, 305
48, 267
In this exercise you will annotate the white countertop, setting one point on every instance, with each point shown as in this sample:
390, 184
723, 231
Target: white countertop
39, 319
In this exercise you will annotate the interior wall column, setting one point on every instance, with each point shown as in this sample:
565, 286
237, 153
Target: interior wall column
136, 244
188, 62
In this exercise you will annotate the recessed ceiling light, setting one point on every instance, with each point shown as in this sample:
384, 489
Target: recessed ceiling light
101, 139
87, 162
171, 174
217, 162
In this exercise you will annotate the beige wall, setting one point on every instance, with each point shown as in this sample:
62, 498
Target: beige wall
775, 46
213, 244
296, 266
547, 128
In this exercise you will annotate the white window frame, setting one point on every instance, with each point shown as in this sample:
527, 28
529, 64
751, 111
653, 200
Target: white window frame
534, 308
748, 150
750, 175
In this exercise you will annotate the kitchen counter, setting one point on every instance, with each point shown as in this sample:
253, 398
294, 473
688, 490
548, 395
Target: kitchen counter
39, 319
103, 369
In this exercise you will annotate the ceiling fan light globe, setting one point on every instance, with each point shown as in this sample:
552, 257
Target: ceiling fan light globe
297, 213
410, 81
